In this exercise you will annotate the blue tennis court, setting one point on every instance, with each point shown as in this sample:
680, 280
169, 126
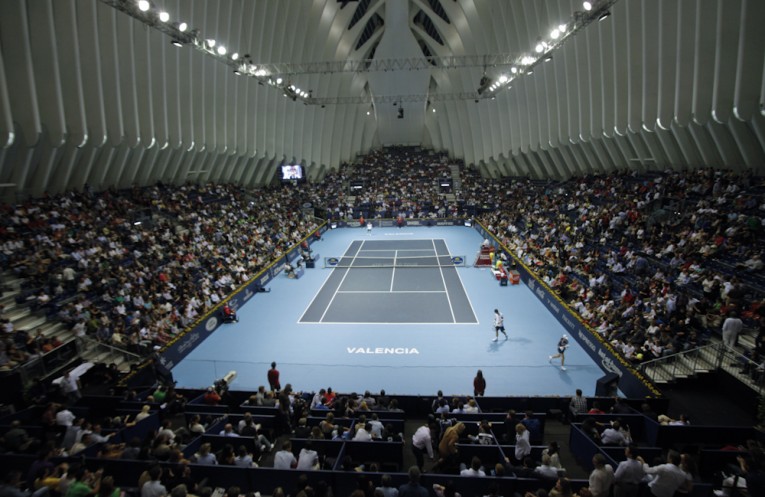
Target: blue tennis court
410, 330
393, 281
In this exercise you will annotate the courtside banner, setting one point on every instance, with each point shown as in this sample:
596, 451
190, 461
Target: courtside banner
387, 223
631, 382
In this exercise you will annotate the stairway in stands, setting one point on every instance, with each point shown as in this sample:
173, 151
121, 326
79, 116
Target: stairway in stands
696, 362
23, 317
456, 180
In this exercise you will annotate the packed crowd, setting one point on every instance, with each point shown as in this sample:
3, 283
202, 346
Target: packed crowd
646, 260
641, 258
134, 267
653, 263
397, 181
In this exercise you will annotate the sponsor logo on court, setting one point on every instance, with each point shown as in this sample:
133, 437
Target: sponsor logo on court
568, 321
168, 364
586, 340
382, 350
608, 363
554, 307
211, 323
457, 260
191, 339
333, 261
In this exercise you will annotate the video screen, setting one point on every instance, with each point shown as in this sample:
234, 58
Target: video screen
292, 172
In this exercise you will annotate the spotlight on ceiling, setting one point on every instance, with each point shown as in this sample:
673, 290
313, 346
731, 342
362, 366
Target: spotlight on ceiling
182, 27
164, 16
604, 15
587, 6
234, 56
177, 43
237, 72
221, 50
210, 43
144, 5
548, 58
555, 34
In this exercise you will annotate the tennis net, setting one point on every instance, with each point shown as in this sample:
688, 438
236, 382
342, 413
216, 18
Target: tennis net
396, 262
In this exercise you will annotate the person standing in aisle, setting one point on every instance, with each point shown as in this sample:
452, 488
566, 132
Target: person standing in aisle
499, 324
273, 378
479, 384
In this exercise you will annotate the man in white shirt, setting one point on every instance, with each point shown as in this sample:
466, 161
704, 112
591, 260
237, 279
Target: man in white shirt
64, 417
474, 469
613, 435
308, 458
285, 459
421, 443
731, 328
628, 474
363, 434
668, 478
602, 477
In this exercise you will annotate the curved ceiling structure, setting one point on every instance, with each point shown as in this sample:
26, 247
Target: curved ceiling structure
89, 94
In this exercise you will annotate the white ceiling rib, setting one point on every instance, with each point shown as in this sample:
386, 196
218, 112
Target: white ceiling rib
90, 95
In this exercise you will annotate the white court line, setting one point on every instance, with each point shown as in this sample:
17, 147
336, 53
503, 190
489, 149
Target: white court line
393, 273
441, 271
394, 250
397, 291
467, 295
316, 295
388, 323
340, 285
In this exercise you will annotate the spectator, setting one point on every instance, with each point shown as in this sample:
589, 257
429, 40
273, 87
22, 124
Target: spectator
522, 445
577, 405
386, 487
629, 473
602, 477
153, 487
413, 487
285, 459
667, 478
308, 458
475, 468
422, 443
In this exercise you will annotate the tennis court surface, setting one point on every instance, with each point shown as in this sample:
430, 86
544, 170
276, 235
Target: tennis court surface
393, 281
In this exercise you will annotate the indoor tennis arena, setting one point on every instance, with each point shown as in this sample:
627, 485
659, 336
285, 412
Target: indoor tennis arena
362, 248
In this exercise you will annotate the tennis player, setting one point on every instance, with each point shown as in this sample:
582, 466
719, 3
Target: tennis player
369, 229
562, 346
499, 325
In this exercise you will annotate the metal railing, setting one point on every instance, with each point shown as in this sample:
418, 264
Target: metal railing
89, 344
47, 364
711, 357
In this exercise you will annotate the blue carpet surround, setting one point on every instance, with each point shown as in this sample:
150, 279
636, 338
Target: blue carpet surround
407, 330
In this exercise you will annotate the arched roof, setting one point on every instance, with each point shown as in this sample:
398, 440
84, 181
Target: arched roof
89, 94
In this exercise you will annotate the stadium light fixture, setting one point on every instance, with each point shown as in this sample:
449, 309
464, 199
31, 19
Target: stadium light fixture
587, 6
143, 5
164, 16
